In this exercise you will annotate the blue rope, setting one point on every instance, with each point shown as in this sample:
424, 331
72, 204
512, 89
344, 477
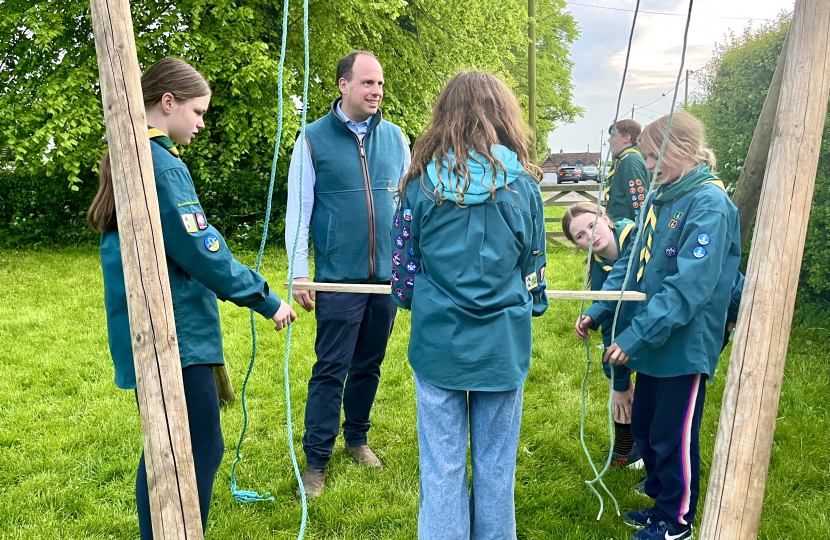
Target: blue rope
640, 218
599, 475
252, 496
653, 182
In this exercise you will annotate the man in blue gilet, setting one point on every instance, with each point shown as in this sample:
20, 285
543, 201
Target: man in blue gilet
350, 159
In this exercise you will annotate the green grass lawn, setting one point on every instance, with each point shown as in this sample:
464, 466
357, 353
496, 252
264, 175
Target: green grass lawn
70, 440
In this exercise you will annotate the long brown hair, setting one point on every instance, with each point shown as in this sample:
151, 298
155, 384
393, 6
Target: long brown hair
168, 75
474, 112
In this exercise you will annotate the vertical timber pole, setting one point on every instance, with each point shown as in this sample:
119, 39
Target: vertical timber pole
531, 77
751, 181
171, 478
740, 464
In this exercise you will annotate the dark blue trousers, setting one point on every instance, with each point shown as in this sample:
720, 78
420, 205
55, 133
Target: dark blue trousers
352, 333
205, 436
665, 422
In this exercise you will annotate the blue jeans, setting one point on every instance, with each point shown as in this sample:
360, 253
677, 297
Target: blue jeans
447, 511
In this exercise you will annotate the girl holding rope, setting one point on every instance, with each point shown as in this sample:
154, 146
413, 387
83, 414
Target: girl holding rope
199, 264
469, 261
686, 262
611, 239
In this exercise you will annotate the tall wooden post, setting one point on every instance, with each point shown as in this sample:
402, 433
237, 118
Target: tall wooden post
750, 404
748, 192
171, 479
531, 77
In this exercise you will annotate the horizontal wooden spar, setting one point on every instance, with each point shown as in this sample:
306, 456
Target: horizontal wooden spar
365, 288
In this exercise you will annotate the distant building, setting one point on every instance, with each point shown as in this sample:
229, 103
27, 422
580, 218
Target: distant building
570, 159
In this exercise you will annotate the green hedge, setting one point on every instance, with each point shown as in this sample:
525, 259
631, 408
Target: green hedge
37, 210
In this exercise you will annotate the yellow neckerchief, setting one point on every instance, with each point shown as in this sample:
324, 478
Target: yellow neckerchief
629, 150
162, 138
650, 224
620, 242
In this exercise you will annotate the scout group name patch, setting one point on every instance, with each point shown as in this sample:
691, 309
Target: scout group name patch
189, 223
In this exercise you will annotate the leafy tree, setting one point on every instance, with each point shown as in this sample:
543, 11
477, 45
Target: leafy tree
53, 122
733, 89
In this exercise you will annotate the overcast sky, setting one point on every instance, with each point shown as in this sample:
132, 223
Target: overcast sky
599, 55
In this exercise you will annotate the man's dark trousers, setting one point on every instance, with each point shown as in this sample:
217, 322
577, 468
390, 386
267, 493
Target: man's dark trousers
352, 333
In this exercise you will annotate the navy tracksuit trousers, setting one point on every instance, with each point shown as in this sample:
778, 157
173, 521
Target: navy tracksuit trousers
665, 422
352, 333
205, 436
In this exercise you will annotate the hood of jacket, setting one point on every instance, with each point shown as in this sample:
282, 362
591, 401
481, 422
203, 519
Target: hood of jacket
481, 174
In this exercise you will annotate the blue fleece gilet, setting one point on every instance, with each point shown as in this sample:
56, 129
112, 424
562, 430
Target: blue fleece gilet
353, 204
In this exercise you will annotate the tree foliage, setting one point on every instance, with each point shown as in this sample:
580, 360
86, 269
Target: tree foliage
733, 89
53, 123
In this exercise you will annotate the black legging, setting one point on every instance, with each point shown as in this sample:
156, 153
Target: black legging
205, 436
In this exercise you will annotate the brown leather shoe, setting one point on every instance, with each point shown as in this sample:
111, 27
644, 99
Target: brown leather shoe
364, 456
314, 480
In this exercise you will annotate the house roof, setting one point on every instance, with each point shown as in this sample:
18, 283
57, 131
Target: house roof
552, 163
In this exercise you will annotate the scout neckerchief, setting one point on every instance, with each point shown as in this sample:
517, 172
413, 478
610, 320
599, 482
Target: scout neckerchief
629, 150
699, 176
626, 229
160, 137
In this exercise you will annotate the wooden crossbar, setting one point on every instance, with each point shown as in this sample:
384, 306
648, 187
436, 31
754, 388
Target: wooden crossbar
366, 288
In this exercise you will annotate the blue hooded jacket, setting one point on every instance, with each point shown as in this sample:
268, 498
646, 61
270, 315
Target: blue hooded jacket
473, 274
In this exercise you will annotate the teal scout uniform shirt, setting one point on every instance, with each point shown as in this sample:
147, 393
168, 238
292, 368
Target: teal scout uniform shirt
689, 284
200, 267
473, 276
353, 204
626, 185
599, 273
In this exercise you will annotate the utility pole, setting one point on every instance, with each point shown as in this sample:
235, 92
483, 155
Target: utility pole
632, 111
531, 77
686, 101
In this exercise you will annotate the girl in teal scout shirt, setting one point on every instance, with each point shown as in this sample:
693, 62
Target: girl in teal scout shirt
610, 241
468, 258
200, 267
687, 265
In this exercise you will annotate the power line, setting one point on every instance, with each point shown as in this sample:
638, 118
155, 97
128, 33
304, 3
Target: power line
665, 12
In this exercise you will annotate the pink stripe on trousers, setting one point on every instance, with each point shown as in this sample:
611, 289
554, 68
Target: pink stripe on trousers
685, 449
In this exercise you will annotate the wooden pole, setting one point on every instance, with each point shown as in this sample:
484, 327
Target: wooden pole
366, 288
531, 77
748, 191
171, 479
224, 386
750, 402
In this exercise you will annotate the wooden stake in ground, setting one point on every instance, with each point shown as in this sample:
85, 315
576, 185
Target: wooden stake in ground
224, 387
171, 479
750, 403
748, 192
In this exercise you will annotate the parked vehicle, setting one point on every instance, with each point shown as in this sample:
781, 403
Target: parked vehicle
568, 174
590, 173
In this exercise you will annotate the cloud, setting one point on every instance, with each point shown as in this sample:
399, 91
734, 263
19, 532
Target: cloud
599, 57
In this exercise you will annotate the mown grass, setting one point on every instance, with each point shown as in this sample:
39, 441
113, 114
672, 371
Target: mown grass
70, 440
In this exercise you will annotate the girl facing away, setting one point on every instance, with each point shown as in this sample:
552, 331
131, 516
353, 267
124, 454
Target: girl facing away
687, 265
199, 264
610, 240
469, 261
